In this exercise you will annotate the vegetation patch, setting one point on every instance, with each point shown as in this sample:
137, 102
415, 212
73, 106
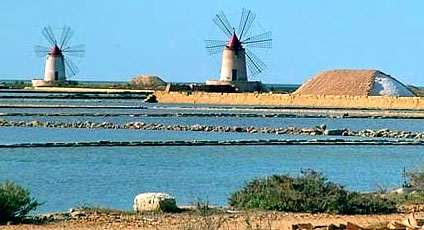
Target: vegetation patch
14, 84
419, 91
311, 192
412, 191
15, 202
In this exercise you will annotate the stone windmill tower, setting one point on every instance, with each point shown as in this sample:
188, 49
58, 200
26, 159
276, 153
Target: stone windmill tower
235, 53
59, 66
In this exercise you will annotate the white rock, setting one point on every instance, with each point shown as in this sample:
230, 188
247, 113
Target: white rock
151, 201
403, 190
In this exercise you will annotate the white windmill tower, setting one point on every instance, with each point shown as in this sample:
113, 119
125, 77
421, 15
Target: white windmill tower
59, 67
235, 54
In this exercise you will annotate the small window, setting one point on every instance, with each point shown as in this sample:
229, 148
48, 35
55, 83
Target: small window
56, 75
234, 75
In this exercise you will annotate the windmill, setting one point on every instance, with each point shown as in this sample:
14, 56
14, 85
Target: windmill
59, 66
235, 50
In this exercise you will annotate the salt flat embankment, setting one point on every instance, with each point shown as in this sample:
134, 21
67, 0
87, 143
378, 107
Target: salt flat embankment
216, 143
85, 90
319, 130
293, 100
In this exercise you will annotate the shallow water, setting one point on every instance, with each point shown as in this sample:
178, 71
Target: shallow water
415, 125
12, 135
112, 176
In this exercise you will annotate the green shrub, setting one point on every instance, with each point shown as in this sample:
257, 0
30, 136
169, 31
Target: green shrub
408, 198
15, 202
415, 179
311, 192
368, 203
414, 188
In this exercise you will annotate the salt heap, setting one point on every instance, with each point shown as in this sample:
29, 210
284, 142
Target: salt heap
354, 83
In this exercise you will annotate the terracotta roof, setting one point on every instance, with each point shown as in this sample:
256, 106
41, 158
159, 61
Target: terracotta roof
340, 82
55, 50
234, 42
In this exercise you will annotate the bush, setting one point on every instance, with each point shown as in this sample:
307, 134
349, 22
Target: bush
368, 203
311, 192
413, 189
415, 179
15, 202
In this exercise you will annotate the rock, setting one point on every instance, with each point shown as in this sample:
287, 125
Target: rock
308, 130
154, 202
237, 129
383, 130
323, 127
419, 136
196, 127
404, 190
151, 99
302, 226
34, 123
76, 213
334, 132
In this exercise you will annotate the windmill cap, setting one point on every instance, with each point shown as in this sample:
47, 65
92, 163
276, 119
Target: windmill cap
234, 42
55, 50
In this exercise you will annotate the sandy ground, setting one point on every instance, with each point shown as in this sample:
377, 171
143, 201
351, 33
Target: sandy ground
254, 220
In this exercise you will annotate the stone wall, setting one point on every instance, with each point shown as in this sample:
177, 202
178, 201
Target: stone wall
85, 144
295, 100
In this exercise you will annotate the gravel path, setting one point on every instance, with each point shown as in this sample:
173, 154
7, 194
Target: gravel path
193, 221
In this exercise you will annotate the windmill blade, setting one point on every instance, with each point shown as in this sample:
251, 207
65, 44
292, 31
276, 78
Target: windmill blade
49, 35
246, 20
71, 68
222, 22
255, 65
76, 51
259, 41
214, 46
65, 36
41, 51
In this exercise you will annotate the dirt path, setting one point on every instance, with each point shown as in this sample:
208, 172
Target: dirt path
195, 221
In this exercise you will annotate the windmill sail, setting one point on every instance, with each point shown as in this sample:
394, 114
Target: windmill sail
71, 69
254, 64
214, 46
49, 35
222, 22
41, 51
246, 20
76, 51
259, 41
66, 35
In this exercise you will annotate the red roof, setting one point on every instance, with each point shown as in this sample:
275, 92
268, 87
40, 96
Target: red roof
234, 42
55, 50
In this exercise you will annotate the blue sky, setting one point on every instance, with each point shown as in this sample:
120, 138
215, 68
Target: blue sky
126, 38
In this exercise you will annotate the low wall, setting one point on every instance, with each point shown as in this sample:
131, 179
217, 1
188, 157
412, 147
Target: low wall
213, 142
294, 100
85, 90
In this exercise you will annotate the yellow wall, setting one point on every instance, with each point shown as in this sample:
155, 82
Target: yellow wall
313, 101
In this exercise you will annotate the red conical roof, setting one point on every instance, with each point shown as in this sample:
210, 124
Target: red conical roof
55, 50
234, 42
